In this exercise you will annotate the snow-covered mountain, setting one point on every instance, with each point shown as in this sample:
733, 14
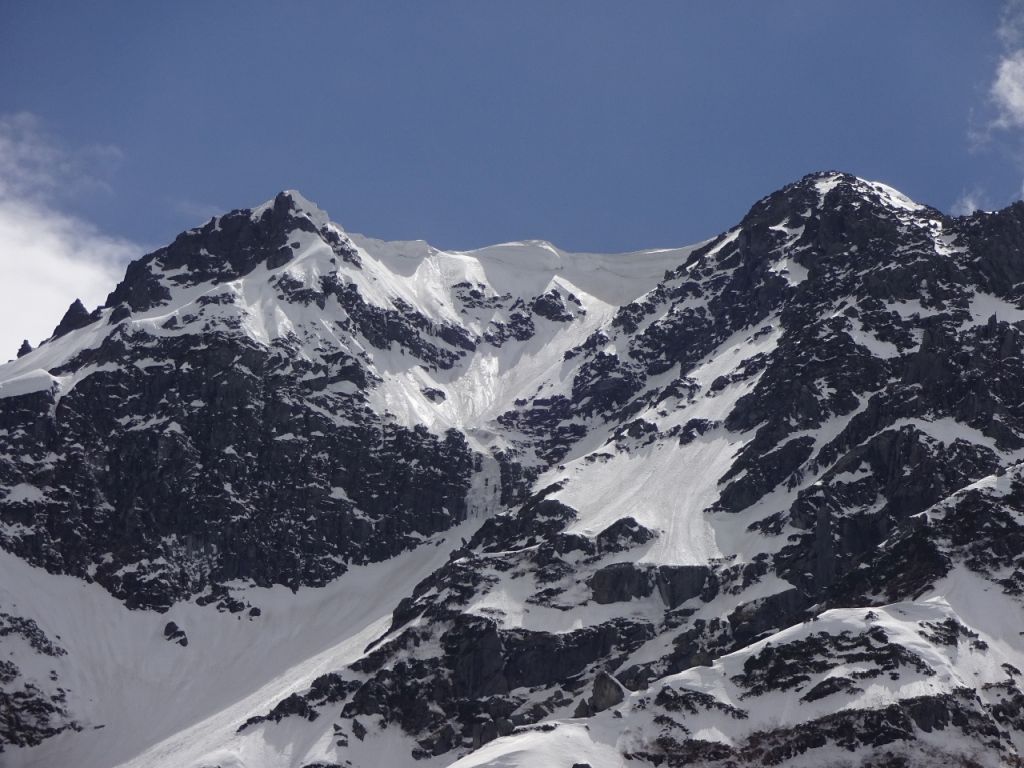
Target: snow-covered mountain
297, 497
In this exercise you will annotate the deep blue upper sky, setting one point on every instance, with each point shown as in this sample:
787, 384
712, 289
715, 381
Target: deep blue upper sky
596, 125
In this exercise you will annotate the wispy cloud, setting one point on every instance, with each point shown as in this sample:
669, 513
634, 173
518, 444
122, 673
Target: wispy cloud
1011, 24
970, 200
49, 258
197, 212
997, 125
35, 165
1007, 89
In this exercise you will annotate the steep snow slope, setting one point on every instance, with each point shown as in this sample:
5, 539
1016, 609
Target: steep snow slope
142, 699
489, 383
644, 483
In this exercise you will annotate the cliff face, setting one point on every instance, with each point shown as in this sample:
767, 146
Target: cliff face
751, 502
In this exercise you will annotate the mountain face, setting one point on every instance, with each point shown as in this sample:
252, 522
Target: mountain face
297, 497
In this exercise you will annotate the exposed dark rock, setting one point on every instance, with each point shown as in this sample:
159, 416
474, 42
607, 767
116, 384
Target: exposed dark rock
31, 633
476, 650
831, 685
679, 583
553, 306
621, 582
175, 634
623, 534
76, 316
208, 484
607, 692
434, 395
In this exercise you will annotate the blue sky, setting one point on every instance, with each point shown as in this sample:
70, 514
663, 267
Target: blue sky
596, 125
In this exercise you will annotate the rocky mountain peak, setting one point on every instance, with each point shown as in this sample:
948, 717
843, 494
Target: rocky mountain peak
76, 316
756, 501
290, 203
230, 247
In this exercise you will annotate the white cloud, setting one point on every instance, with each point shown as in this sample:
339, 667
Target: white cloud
1007, 91
1011, 24
200, 213
49, 258
998, 124
968, 202
35, 165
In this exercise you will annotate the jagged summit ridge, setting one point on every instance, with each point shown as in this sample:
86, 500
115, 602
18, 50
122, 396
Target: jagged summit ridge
289, 208
754, 501
297, 203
